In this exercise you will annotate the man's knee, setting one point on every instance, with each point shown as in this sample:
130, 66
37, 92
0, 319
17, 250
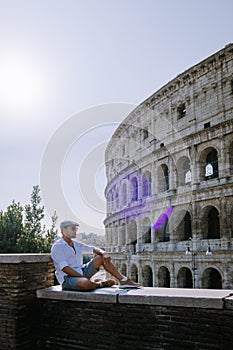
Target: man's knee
98, 261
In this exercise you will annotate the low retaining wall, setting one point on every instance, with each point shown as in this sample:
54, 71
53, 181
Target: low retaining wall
36, 315
147, 318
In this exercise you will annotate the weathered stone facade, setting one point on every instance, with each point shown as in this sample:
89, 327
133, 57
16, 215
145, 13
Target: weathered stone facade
169, 168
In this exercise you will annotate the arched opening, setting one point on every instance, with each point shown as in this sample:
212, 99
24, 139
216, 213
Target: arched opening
161, 224
144, 133
163, 277
213, 224
124, 195
134, 183
211, 279
132, 236
146, 184
184, 278
132, 232
184, 229
134, 273
183, 171
163, 178
211, 166
147, 277
146, 236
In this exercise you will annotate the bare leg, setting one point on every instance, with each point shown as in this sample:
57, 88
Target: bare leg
109, 267
84, 284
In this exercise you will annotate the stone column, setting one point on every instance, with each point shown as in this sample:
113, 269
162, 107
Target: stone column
107, 237
139, 236
154, 271
139, 271
224, 221
194, 167
172, 175
225, 157
173, 281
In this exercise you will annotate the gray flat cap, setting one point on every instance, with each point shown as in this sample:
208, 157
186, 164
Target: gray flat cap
68, 223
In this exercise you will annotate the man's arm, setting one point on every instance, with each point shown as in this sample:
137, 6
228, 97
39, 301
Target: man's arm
71, 272
98, 251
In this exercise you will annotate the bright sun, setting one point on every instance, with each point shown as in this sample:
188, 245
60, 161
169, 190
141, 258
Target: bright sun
20, 83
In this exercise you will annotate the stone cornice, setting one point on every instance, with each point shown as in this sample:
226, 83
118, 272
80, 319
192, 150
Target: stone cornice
175, 297
23, 258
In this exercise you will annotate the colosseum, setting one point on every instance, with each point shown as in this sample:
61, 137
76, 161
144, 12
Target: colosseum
169, 193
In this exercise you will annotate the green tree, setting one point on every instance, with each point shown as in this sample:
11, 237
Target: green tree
31, 240
22, 229
11, 227
51, 234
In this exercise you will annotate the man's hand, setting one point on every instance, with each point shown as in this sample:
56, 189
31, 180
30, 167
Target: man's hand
105, 255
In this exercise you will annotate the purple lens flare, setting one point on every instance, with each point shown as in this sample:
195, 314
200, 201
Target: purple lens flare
162, 219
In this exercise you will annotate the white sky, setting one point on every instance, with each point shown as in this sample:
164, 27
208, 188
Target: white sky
61, 57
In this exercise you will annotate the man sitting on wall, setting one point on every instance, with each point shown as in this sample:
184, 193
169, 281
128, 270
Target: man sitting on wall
71, 273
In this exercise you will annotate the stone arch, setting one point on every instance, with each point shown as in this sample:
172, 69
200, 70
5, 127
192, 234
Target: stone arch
211, 223
160, 228
164, 277
134, 189
132, 232
183, 171
163, 178
184, 278
147, 276
209, 163
134, 273
211, 279
146, 227
146, 184
184, 228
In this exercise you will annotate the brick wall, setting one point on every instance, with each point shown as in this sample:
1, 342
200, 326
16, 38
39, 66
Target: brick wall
20, 277
151, 318
71, 325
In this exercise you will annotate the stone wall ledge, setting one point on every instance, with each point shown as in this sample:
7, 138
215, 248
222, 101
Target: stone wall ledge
175, 297
229, 302
23, 258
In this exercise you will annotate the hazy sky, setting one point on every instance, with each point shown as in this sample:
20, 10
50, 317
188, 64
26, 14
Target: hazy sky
61, 61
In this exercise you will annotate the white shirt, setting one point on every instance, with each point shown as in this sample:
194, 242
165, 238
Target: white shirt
64, 255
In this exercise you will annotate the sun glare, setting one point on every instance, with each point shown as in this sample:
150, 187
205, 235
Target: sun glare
20, 83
